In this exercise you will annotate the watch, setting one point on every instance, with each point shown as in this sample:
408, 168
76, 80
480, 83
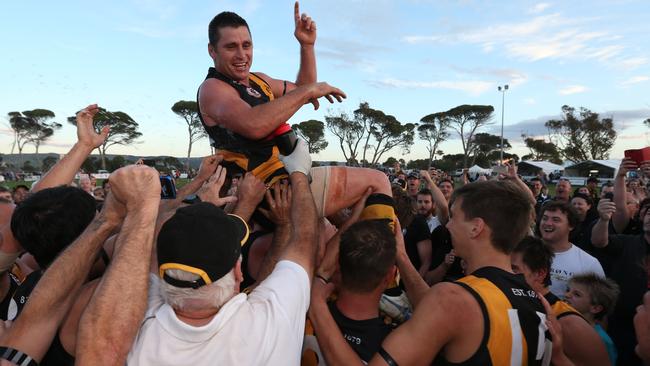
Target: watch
192, 199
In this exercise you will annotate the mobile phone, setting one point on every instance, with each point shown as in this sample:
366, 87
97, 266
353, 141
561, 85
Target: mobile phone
638, 155
609, 196
167, 188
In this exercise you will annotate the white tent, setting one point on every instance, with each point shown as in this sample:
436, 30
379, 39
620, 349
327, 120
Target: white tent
476, 170
531, 167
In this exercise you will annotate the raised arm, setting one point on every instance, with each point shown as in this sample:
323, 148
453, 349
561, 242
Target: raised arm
442, 208
305, 33
415, 285
620, 218
106, 330
600, 231
63, 171
222, 104
50, 301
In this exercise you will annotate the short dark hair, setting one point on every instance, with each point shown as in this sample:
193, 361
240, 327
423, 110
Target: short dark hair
585, 197
426, 191
502, 205
563, 207
366, 254
49, 220
536, 255
602, 291
222, 20
445, 180
535, 179
4, 189
21, 186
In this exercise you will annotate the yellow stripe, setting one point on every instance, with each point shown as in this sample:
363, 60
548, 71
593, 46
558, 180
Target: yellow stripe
243, 241
499, 343
377, 211
183, 267
239, 159
267, 168
263, 85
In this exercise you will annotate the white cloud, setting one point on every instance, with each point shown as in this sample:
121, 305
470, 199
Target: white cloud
635, 80
538, 8
512, 77
633, 62
573, 89
470, 87
548, 36
530, 101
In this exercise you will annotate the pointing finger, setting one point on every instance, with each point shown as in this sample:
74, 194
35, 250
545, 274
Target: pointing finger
296, 12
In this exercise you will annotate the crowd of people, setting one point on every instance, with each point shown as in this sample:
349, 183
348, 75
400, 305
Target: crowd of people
261, 259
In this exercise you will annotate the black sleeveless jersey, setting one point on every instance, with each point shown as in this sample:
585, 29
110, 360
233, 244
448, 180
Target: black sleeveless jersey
240, 153
515, 330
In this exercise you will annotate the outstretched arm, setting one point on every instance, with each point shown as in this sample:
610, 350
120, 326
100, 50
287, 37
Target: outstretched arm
620, 218
306, 35
63, 172
50, 301
442, 208
106, 331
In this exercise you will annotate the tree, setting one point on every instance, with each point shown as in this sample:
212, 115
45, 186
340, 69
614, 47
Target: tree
418, 164
485, 144
48, 162
123, 130
541, 150
433, 130
348, 133
466, 120
313, 132
117, 162
386, 132
189, 112
23, 128
43, 128
28, 167
647, 122
583, 136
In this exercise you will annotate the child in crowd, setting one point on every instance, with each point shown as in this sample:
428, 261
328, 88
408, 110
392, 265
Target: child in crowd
594, 297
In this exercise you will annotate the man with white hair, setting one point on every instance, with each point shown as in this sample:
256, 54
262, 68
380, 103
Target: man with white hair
196, 315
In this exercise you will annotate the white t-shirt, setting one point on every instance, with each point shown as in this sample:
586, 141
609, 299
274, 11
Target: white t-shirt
433, 222
263, 328
570, 263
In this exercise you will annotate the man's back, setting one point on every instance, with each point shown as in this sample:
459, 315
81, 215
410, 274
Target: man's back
510, 310
263, 328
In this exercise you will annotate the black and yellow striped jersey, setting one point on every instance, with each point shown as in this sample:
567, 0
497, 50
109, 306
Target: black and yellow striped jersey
515, 331
240, 154
560, 308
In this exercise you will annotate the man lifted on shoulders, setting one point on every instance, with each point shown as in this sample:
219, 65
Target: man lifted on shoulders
245, 114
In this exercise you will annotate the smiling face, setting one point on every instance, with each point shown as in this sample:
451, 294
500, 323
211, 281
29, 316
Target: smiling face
447, 189
233, 54
554, 226
581, 206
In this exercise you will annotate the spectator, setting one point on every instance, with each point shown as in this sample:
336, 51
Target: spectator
536, 187
562, 190
85, 184
413, 186
5, 194
533, 259
592, 185
557, 221
595, 297
446, 186
20, 193
367, 266
626, 256
200, 319
446, 324
580, 234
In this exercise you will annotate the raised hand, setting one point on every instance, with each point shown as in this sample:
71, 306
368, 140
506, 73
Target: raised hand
627, 165
323, 89
208, 167
305, 31
133, 187
86, 131
279, 201
210, 190
606, 209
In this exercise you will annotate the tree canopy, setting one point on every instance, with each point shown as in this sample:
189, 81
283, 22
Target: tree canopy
583, 135
541, 150
433, 130
123, 130
313, 132
189, 112
32, 127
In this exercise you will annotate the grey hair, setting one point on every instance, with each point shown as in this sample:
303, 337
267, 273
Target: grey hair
209, 296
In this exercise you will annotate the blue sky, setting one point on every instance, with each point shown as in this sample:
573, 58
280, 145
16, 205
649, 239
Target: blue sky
407, 58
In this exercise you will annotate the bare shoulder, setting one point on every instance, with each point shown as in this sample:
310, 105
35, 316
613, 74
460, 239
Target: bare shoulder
451, 300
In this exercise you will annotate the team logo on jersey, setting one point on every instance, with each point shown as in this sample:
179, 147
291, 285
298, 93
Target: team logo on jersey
253, 93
